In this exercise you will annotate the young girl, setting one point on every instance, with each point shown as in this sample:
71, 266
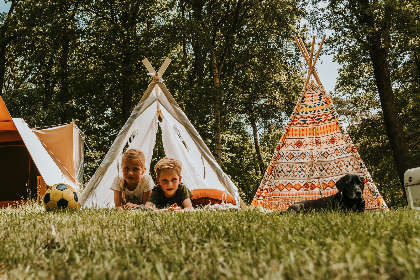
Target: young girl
135, 187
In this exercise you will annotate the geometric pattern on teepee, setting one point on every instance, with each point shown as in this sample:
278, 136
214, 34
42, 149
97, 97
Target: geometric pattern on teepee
314, 152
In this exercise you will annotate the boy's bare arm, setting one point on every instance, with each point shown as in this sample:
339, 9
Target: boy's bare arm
187, 204
118, 200
146, 196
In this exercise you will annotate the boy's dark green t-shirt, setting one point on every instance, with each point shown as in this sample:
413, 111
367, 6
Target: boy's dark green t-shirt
159, 199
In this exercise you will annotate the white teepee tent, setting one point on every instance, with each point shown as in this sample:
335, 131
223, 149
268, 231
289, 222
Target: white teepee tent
180, 141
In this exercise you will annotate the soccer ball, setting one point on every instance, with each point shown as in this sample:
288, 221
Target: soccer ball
60, 197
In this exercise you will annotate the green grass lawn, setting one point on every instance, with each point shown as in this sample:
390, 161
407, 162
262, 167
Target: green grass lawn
109, 244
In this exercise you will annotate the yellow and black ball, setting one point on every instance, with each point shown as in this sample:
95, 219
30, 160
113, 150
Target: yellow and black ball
60, 197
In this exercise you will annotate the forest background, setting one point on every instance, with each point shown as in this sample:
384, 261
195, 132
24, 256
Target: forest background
236, 72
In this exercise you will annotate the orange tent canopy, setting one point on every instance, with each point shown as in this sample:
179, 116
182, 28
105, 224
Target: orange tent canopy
58, 141
8, 130
64, 144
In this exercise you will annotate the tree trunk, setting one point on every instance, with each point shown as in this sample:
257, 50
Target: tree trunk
217, 111
2, 64
4, 41
128, 22
393, 125
48, 88
184, 40
378, 42
256, 141
127, 90
217, 68
64, 95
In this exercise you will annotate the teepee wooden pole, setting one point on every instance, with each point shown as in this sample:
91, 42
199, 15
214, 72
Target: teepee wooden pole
314, 72
310, 60
301, 50
158, 111
307, 78
306, 56
312, 48
320, 46
312, 66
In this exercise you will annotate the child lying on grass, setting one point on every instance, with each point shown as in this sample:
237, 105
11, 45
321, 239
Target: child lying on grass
135, 187
169, 190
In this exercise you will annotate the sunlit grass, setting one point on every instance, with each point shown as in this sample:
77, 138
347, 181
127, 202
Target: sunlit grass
109, 244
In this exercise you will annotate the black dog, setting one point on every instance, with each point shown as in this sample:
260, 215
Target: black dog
349, 197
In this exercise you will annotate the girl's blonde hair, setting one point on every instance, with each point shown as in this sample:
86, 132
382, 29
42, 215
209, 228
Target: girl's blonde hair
167, 164
134, 154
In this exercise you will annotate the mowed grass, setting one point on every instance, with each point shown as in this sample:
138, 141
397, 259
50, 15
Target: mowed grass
109, 244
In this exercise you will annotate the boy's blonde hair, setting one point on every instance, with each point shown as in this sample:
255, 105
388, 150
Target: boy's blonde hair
135, 154
166, 164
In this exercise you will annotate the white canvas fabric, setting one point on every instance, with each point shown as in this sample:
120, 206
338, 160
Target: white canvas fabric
78, 154
180, 141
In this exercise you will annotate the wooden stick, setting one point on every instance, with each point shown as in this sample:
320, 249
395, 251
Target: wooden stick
313, 65
302, 47
320, 46
307, 78
315, 75
158, 111
306, 56
310, 60
312, 49
297, 42
301, 50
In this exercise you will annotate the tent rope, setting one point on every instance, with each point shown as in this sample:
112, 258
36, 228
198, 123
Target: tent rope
204, 167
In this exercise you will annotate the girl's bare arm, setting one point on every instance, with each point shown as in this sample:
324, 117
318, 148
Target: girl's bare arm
118, 200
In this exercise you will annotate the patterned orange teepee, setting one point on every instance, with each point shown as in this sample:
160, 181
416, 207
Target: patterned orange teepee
314, 152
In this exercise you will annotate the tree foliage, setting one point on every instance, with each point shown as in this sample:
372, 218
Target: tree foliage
80, 60
376, 44
235, 71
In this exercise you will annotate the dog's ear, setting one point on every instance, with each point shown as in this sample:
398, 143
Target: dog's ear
340, 184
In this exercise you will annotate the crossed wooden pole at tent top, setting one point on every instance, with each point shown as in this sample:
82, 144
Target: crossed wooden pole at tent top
157, 77
308, 58
311, 71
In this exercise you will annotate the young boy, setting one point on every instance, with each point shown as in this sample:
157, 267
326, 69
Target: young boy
169, 189
135, 187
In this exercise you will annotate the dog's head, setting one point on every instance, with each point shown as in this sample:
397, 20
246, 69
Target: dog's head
351, 185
